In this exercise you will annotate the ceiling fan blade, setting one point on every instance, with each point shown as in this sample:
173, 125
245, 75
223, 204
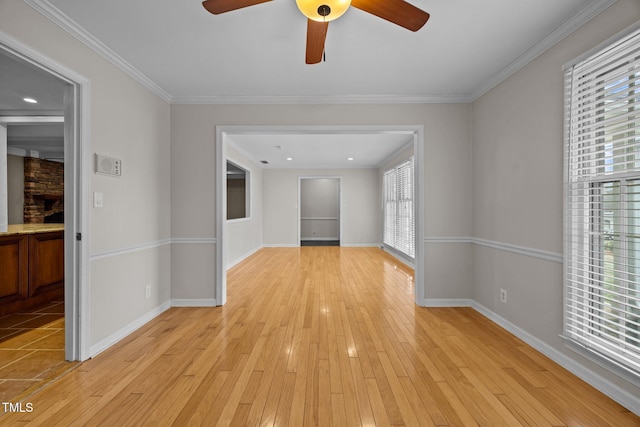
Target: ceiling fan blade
221, 6
397, 11
316, 35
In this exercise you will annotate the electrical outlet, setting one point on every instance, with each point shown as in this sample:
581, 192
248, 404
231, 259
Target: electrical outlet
147, 291
503, 296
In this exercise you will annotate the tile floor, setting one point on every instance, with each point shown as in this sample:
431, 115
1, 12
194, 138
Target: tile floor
31, 350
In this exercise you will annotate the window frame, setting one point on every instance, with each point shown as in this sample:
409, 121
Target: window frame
402, 197
247, 192
583, 295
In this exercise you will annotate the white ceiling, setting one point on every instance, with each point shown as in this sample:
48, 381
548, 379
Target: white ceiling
19, 80
258, 52
256, 55
360, 149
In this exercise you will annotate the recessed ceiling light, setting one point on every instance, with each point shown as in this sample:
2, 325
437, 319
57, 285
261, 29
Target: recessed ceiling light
289, 158
350, 158
30, 100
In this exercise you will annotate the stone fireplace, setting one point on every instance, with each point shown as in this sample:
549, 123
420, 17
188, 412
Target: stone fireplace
43, 191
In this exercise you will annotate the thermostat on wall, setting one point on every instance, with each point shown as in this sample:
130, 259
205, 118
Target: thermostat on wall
108, 166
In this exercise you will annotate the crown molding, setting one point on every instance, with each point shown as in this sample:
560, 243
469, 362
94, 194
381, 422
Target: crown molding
579, 19
66, 23
326, 99
63, 21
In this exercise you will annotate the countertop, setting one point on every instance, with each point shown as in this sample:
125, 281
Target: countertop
31, 229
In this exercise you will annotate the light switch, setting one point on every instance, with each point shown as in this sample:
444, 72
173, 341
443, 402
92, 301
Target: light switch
97, 200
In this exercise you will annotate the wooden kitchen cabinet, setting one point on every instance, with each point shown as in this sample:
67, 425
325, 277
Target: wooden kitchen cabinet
31, 269
14, 268
46, 262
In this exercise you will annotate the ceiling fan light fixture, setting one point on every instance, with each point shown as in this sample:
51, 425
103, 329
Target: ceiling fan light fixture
323, 10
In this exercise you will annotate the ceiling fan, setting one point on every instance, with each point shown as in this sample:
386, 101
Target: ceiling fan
320, 12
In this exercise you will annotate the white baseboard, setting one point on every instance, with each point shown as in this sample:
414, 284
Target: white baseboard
398, 256
112, 339
243, 257
281, 245
196, 302
624, 398
448, 302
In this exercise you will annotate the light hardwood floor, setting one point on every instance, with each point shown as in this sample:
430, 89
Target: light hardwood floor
320, 336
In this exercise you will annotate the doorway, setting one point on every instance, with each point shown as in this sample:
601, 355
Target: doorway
65, 96
319, 222
224, 135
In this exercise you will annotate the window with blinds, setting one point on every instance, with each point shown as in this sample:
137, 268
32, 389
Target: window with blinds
399, 221
602, 196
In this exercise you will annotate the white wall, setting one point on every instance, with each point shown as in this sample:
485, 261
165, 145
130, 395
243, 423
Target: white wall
15, 180
447, 157
244, 236
129, 236
517, 189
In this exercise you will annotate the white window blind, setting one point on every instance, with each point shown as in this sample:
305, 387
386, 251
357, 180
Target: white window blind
602, 196
399, 221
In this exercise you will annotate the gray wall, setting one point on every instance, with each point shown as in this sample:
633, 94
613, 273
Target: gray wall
518, 184
129, 235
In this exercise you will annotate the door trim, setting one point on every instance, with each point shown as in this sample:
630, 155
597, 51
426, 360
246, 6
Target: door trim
302, 177
77, 187
223, 132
